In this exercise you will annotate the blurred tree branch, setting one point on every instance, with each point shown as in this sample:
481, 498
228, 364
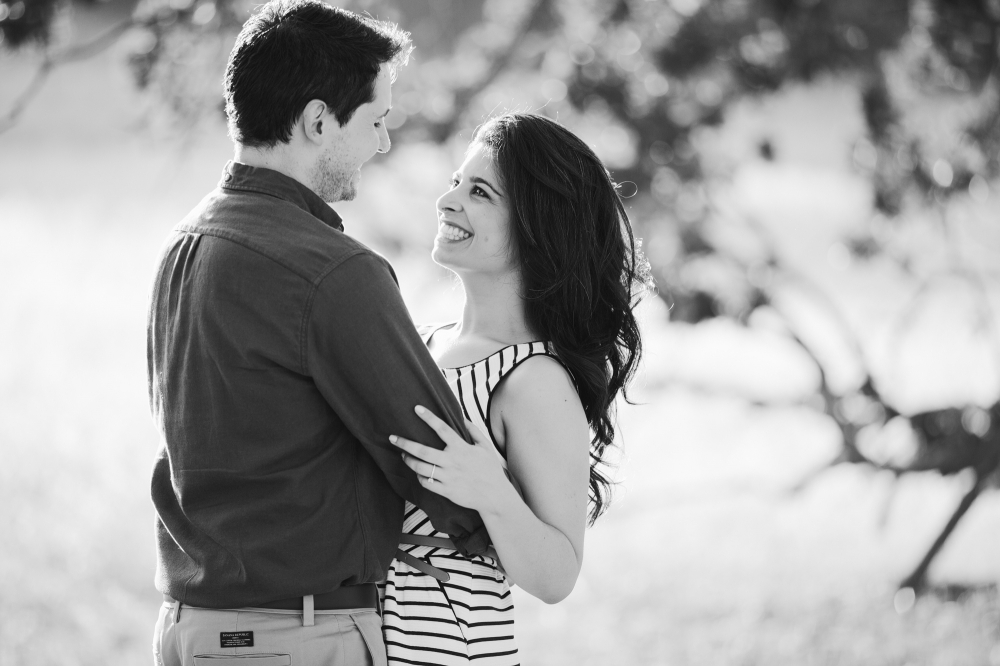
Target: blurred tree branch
53, 59
534, 17
652, 74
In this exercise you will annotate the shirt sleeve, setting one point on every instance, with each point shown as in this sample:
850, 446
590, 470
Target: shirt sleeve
367, 359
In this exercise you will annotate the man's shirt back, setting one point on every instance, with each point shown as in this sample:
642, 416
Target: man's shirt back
280, 359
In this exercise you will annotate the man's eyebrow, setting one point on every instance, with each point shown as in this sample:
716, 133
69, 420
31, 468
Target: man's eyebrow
483, 181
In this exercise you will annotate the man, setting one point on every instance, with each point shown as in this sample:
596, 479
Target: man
281, 357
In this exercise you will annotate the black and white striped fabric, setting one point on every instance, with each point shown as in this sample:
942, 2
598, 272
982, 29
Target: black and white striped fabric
470, 618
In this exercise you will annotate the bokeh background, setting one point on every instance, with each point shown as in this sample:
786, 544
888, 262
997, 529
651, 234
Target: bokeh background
815, 184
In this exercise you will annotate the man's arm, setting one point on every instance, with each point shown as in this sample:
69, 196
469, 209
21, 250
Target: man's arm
370, 364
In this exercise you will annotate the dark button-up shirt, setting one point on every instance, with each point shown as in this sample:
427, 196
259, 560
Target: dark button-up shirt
280, 359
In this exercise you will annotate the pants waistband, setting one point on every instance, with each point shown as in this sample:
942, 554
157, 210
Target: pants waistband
343, 598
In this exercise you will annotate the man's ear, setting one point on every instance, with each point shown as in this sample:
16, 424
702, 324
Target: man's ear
316, 122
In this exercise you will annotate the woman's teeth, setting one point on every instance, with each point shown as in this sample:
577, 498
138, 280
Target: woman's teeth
453, 233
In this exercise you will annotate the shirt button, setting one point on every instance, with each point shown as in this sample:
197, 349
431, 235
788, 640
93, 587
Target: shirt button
228, 177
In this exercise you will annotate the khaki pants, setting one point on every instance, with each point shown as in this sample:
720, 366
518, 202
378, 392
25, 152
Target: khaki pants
189, 636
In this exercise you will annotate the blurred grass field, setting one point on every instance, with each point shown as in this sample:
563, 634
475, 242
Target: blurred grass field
705, 558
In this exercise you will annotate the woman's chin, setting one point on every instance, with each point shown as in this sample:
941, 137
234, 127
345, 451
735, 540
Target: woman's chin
440, 254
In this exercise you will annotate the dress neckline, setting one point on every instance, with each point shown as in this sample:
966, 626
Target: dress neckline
482, 360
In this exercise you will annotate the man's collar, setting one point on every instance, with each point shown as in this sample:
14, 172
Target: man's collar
238, 176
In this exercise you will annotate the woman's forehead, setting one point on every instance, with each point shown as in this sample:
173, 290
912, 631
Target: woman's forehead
479, 159
479, 151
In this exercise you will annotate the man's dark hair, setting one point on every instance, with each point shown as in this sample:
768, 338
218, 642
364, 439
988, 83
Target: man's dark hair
294, 51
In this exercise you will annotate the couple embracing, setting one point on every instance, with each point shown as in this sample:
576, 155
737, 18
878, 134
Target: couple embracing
336, 486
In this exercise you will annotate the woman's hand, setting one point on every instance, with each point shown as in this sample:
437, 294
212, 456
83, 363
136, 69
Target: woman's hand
470, 476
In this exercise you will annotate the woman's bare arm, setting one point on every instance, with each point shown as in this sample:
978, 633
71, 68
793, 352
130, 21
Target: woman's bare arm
547, 441
539, 538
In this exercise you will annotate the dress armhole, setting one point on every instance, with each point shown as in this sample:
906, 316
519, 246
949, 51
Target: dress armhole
552, 354
489, 404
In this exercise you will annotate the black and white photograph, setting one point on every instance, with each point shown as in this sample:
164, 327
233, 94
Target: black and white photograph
500, 332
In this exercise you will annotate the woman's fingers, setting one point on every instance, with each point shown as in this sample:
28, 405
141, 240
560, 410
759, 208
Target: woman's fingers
423, 469
432, 485
416, 456
418, 450
478, 437
459, 473
444, 431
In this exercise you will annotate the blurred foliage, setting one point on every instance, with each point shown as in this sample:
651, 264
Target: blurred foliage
650, 72
26, 21
641, 79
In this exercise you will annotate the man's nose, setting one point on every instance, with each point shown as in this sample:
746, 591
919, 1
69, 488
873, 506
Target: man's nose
384, 143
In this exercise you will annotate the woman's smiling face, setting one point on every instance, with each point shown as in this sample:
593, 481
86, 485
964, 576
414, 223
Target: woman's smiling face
474, 220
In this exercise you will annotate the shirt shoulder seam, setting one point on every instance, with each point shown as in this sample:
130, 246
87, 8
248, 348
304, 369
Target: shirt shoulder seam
311, 299
234, 238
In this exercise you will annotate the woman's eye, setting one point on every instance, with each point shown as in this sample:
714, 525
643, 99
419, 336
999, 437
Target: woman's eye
453, 182
480, 192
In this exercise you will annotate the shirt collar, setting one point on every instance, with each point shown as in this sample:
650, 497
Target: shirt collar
236, 176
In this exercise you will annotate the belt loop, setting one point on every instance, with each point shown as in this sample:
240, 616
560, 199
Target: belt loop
308, 608
373, 639
177, 612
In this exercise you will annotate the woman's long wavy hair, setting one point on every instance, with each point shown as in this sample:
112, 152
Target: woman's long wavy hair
581, 271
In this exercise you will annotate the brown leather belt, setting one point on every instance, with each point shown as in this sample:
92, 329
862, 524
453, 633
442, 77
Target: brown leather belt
435, 542
351, 596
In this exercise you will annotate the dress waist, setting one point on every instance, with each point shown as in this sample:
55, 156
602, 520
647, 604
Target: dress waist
435, 542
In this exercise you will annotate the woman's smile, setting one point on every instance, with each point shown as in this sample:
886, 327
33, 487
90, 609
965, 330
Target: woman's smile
452, 232
474, 220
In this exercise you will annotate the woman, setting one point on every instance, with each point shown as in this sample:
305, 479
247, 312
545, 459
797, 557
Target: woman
535, 229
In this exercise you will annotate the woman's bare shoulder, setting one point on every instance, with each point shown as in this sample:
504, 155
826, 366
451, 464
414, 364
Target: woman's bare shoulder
540, 387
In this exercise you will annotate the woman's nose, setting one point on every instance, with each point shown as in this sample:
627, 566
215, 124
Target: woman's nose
448, 201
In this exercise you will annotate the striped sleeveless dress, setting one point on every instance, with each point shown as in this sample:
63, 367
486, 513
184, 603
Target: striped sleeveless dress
469, 618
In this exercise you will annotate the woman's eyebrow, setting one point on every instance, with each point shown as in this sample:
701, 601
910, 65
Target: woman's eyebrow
482, 181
